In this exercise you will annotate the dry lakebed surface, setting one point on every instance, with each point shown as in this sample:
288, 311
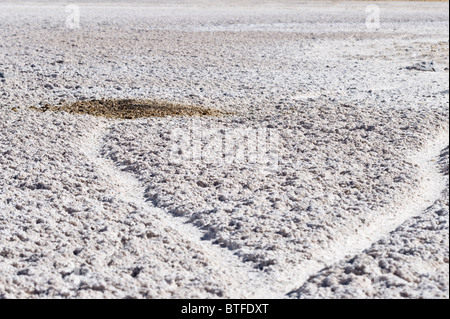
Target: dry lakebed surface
246, 149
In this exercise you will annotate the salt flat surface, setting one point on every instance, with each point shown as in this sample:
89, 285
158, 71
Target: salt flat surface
327, 179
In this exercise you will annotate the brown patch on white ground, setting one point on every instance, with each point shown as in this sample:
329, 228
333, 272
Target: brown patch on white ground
130, 109
92, 207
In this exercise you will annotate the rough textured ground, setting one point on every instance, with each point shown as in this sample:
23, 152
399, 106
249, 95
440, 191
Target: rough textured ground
327, 177
411, 262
